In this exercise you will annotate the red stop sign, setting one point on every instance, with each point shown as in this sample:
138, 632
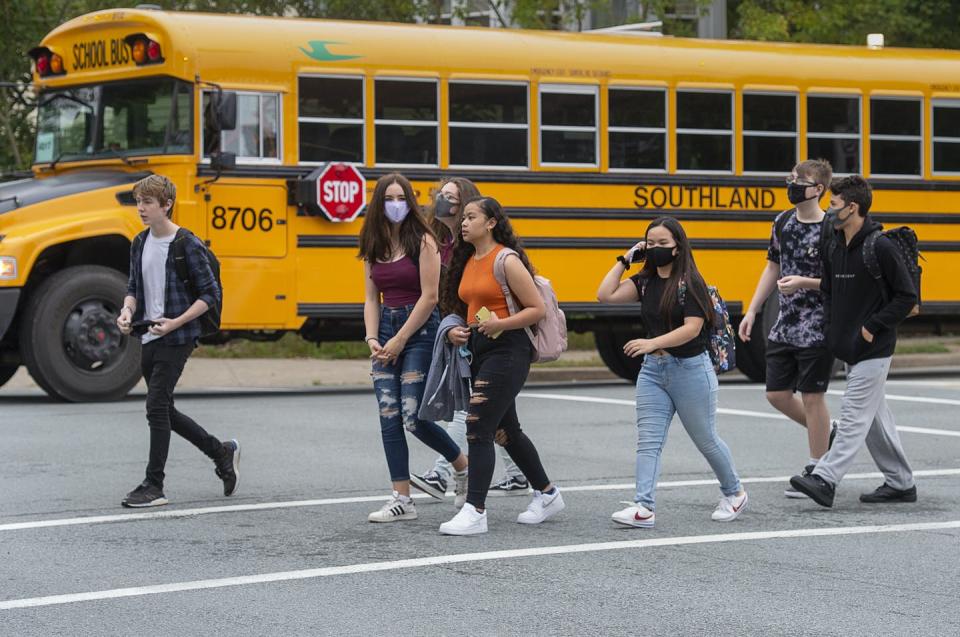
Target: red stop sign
341, 192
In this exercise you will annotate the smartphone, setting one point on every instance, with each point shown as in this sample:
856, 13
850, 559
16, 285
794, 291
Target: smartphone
140, 327
484, 314
640, 254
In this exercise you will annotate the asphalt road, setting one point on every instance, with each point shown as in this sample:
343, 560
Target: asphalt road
296, 556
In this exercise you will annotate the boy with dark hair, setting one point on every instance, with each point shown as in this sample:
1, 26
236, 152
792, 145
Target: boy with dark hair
797, 355
862, 332
155, 294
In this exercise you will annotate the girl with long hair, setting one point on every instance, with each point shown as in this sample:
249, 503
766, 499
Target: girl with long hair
401, 267
677, 376
444, 217
501, 353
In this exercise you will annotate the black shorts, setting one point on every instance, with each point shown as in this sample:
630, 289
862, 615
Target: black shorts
803, 369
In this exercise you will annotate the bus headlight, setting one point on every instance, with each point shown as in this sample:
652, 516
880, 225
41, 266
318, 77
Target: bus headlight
8, 268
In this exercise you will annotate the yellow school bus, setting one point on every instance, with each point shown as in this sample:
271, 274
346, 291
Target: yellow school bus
583, 137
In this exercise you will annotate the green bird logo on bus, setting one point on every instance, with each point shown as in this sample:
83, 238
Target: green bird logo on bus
321, 53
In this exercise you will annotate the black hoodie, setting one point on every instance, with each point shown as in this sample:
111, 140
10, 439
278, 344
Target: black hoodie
853, 300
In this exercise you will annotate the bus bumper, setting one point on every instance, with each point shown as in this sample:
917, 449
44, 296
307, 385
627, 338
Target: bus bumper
8, 307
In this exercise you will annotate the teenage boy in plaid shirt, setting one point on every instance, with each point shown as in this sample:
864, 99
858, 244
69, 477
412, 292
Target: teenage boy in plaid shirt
155, 293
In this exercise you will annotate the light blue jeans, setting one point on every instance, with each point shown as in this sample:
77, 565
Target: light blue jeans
688, 387
457, 428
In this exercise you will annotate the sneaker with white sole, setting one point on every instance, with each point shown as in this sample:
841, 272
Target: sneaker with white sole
541, 507
510, 485
730, 508
145, 495
396, 510
460, 488
634, 515
467, 521
430, 483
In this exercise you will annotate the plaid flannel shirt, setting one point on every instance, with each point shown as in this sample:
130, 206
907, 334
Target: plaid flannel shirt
177, 298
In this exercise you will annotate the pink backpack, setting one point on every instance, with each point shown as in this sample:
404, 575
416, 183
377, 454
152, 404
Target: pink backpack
549, 335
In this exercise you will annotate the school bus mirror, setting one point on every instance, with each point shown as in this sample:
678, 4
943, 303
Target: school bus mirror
227, 110
223, 160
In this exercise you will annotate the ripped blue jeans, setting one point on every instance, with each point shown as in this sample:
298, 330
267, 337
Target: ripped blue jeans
399, 390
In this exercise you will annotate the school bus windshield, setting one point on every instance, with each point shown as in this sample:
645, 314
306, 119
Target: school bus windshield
141, 117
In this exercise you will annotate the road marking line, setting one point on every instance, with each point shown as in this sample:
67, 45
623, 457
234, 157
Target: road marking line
909, 399
441, 560
753, 414
295, 504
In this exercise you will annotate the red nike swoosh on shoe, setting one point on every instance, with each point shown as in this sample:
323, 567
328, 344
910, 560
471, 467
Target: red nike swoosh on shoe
636, 516
737, 509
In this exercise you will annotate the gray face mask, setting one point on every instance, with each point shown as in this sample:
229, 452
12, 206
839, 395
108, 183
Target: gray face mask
444, 208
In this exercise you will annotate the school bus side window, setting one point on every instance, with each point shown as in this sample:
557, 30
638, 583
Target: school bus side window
330, 117
833, 131
257, 135
769, 132
946, 136
896, 140
637, 128
705, 130
568, 124
405, 114
488, 124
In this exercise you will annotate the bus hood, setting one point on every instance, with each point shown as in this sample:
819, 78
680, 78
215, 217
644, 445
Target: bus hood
26, 192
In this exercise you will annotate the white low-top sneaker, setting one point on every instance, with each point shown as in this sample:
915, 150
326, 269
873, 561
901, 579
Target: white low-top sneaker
460, 488
730, 507
541, 507
395, 510
468, 521
634, 515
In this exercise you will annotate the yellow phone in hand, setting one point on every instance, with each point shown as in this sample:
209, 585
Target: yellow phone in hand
484, 314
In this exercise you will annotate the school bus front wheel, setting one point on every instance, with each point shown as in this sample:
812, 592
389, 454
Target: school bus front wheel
69, 340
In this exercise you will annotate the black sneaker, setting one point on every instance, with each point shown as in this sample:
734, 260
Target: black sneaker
511, 485
833, 434
430, 483
145, 495
886, 493
815, 487
790, 492
228, 467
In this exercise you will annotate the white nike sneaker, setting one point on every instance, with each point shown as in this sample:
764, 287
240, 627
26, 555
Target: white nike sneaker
395, 510
634, 515
730, 508
460, 488
468, 521
541, 507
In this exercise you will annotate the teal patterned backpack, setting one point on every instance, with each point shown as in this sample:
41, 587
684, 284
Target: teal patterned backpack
721, 344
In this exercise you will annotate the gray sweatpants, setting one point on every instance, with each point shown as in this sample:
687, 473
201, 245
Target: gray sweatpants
864, 414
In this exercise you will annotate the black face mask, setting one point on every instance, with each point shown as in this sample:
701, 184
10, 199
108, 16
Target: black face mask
795, 193
660, 256
444, 208
833, 216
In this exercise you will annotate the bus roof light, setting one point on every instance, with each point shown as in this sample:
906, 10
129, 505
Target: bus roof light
43, 65
56, 64
153, 51
143, 49
47, 62
875, 40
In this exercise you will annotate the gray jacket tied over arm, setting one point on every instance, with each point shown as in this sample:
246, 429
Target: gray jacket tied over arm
448, 383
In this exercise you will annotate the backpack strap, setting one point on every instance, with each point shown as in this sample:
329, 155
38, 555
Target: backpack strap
872, 262
500, 274
780, 223
180, 263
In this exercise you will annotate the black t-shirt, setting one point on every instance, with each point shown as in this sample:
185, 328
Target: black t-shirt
653, 319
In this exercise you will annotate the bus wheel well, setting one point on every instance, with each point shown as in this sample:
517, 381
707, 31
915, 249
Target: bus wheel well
111, 251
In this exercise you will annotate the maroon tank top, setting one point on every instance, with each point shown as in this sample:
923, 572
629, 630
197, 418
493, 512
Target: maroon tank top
398, 281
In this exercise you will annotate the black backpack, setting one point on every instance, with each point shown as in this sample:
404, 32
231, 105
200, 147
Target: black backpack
904, 239
209, 320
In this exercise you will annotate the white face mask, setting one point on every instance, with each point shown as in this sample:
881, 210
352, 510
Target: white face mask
396, 211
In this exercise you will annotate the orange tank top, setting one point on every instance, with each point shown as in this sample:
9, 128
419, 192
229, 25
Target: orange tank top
479, 287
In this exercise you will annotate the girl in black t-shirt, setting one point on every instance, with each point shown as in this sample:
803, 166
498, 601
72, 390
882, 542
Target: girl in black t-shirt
677, 376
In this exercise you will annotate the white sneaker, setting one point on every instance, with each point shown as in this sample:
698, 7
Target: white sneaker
541, 507
395, 510
468, 521
730, 508
460, 488
634, 515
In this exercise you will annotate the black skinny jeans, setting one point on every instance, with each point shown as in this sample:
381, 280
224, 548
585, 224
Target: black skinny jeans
500, 367
162, 365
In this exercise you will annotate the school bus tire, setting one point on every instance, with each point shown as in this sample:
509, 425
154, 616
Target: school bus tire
7, 372
610, 342
752, 356
69, 341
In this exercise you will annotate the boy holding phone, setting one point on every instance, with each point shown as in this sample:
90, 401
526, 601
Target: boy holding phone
155, 294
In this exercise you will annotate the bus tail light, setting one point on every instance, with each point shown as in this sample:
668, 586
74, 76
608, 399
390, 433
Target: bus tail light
143, 49
47, 63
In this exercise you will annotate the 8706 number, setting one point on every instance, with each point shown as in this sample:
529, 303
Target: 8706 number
227, 218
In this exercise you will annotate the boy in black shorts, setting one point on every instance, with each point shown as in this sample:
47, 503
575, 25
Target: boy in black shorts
797, 356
